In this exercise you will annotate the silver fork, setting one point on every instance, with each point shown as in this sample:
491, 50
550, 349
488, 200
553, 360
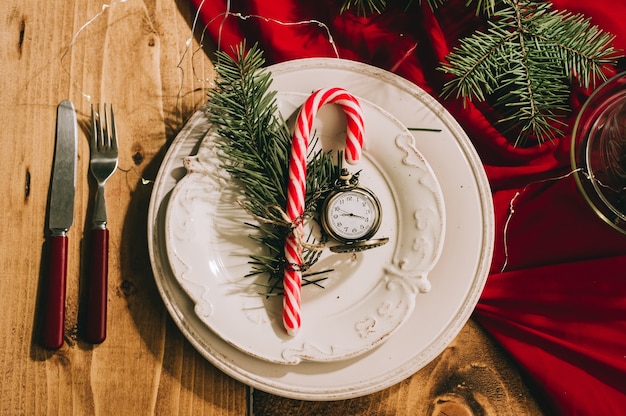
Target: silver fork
102, 164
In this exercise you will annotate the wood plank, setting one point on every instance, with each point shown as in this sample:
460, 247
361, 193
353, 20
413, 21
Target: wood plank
472, 376
132, 54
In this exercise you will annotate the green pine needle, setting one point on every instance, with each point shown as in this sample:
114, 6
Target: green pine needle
525, 63
364, 7
367, 7
254, 144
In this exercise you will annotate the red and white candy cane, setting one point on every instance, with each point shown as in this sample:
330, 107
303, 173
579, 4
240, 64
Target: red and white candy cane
296, 189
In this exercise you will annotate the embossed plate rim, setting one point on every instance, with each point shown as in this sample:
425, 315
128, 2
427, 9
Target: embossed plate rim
373, 293
469, 214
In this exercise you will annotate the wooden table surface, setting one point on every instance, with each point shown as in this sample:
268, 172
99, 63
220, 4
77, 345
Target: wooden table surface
142, 57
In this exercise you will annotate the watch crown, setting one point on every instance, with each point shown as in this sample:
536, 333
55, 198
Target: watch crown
347, 180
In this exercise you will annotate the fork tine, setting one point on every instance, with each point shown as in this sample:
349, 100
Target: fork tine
103, 131
101, 137
106, 134
93, 142
113, 129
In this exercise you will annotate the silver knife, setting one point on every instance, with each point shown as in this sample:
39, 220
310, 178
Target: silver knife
60, 219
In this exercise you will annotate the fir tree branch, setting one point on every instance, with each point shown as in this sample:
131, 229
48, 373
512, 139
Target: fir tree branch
254, 144
525, 62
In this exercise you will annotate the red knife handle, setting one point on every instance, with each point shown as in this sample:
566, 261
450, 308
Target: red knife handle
96, 330
54, 318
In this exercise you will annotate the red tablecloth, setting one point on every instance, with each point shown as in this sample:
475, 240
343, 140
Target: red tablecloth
559, 308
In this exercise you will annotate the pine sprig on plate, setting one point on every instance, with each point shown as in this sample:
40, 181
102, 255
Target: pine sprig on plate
254, 143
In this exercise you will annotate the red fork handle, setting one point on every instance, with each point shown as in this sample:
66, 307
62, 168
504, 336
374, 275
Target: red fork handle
54, 318
96, 321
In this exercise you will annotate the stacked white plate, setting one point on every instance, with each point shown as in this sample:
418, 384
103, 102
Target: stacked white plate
382, 314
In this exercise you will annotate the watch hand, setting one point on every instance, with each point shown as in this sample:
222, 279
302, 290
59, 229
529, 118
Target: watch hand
350, 214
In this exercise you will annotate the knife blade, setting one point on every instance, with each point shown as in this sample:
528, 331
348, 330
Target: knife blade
60, 219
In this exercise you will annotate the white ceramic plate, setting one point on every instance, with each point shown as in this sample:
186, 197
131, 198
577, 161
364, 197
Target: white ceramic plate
460, 273
369, 294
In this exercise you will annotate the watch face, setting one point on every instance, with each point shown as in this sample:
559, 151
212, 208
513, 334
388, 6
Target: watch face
352, 215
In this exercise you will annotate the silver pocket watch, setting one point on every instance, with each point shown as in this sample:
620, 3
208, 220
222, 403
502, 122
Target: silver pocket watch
351, 214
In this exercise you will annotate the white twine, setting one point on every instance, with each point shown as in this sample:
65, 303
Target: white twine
195, 24
67, 50
241, 16
512, 210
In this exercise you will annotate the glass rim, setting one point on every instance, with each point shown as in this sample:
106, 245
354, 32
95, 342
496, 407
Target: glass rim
607, 96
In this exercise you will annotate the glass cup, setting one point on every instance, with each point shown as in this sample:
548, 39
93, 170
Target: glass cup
598, 152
